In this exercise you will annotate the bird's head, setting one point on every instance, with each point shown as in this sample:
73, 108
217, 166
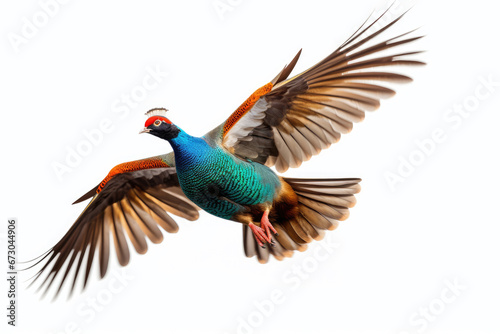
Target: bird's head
159, 125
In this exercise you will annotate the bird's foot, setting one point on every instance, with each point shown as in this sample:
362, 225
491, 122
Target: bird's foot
266, 225
263, 234
259, 235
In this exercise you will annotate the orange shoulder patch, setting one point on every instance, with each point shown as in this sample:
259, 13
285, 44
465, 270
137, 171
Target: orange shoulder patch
131, 166
245, 107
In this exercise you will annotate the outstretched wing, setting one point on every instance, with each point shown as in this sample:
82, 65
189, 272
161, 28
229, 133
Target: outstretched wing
132, 200
287, 121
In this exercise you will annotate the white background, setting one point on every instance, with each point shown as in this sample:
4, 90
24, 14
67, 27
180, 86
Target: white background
393, 259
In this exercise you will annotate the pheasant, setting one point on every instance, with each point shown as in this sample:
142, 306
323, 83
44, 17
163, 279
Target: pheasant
227, 171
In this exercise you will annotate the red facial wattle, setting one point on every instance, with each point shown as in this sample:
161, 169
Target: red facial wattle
152, 119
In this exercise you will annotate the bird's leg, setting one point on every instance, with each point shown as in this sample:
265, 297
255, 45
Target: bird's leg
263, 234
259, 234
266, 225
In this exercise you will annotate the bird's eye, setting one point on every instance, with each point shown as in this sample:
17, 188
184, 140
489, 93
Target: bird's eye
157, 122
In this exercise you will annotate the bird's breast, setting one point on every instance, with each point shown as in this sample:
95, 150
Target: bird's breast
223, 185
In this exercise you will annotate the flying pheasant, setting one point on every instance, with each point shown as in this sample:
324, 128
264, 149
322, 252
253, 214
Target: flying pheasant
227, 171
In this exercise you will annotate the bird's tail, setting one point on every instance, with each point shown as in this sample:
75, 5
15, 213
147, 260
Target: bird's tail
322, 203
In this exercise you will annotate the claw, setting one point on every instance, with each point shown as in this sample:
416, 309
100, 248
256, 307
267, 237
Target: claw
259, 234
263, 234
267, 226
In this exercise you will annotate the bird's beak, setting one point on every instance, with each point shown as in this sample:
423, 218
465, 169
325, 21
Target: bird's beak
145, 130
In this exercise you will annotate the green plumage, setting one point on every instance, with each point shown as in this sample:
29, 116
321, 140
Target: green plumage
218, 182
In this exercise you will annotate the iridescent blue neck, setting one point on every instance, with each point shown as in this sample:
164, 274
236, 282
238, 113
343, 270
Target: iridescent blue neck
178, 143
188, 150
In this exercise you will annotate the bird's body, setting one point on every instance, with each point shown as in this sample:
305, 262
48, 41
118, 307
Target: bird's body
218, 182
227, 172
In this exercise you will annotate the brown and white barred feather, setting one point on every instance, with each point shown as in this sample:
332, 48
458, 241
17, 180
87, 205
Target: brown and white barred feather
301, 116
131, 204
